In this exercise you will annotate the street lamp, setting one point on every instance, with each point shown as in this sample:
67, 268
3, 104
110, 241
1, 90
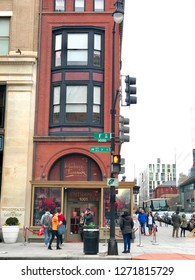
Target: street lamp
118, 16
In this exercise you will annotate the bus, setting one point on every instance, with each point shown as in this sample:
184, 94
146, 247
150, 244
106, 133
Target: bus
155, 204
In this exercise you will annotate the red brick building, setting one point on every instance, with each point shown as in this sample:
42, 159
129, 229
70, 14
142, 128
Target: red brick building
74, 101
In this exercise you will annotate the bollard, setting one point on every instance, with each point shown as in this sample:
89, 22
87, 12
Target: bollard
154, 236
140, 243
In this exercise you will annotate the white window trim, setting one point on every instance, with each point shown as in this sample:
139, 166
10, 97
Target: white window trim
6, 13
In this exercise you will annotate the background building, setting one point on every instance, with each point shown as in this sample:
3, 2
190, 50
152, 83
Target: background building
153, 176
18, 65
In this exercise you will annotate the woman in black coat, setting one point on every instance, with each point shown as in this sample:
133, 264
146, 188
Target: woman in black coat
126, 226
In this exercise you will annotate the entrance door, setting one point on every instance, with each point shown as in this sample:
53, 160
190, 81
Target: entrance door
74, 211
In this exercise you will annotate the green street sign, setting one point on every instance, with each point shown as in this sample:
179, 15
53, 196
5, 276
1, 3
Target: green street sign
102, 137
99, 149
112, 182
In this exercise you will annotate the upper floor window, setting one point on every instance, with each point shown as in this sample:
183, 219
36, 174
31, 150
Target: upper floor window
4, 35
76, 104
98, 5
78, 49
59, 5
2, 105
79, 5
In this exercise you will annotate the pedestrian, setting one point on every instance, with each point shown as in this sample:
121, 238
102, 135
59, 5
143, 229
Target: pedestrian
88, 216
54, 232
150, 222
81, 224
126, 225
142, 218
61, 226
184, 225
176, 221
46, 223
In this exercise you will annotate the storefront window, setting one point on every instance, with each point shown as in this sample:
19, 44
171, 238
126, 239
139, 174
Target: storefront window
45, 199
122, 203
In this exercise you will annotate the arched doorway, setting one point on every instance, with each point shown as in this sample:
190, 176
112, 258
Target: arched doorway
77, 167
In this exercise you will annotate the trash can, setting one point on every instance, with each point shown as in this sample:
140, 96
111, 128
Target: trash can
91, 241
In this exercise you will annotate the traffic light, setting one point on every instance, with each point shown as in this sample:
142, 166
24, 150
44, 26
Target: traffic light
123, 129
130, 91
116, 164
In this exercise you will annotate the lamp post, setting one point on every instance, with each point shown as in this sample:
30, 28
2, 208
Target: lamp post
118, 16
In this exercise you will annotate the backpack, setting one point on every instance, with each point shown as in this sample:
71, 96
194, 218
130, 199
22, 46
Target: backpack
47, 221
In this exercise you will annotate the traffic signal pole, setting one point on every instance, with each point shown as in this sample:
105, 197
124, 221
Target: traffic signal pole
112, 243
118, 18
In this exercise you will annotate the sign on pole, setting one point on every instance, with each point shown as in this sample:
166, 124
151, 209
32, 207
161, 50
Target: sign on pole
99, 149
112, 182
102, 137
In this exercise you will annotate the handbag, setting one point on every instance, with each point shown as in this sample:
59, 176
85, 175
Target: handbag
41, 231
61, 229
133, 235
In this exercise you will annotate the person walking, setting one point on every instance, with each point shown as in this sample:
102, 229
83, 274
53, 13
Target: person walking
126, 225
184, 225
142, 218
61, 225
176, 221
54, 232
46, 223
150, 222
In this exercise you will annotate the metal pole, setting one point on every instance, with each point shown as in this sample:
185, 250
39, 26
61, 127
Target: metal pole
112, 243
140, 242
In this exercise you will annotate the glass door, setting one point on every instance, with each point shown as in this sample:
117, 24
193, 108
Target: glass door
74, 211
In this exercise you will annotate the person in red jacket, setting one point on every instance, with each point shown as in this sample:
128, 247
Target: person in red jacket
61, 221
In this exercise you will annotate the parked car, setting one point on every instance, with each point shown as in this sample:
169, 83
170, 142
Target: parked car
192, 222
169, 217
159, 216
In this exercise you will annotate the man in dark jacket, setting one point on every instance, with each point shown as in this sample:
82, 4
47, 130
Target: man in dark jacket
176, 221
88, 217
126, 226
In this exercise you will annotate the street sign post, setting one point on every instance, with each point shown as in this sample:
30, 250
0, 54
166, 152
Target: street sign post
102, 137
99, 149
112, 182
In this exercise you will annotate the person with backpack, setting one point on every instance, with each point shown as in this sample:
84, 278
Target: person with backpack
46, 223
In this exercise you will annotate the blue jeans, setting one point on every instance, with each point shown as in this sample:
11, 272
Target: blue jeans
142, 225
127, 241
47, 235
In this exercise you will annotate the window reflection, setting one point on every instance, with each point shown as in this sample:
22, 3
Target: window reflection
122, 203
45, 199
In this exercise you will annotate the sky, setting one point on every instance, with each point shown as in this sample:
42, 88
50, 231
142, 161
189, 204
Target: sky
158, 49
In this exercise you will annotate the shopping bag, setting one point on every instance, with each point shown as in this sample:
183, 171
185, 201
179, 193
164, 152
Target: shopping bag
41, 231
61, 229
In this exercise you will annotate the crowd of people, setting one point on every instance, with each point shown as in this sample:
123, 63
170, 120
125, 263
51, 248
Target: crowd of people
55, 226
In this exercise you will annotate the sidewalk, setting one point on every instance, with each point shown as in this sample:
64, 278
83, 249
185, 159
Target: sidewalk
163, 247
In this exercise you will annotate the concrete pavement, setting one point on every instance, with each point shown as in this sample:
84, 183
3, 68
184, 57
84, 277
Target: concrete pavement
163, 246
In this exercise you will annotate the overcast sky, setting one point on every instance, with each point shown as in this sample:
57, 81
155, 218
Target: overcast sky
159, 50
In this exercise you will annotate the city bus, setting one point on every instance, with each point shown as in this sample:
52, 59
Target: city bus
156, 204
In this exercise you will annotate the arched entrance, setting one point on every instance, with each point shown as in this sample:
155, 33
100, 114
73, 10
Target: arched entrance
77, 167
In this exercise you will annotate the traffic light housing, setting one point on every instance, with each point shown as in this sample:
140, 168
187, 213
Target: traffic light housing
130, 90
123, 129
115, 164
